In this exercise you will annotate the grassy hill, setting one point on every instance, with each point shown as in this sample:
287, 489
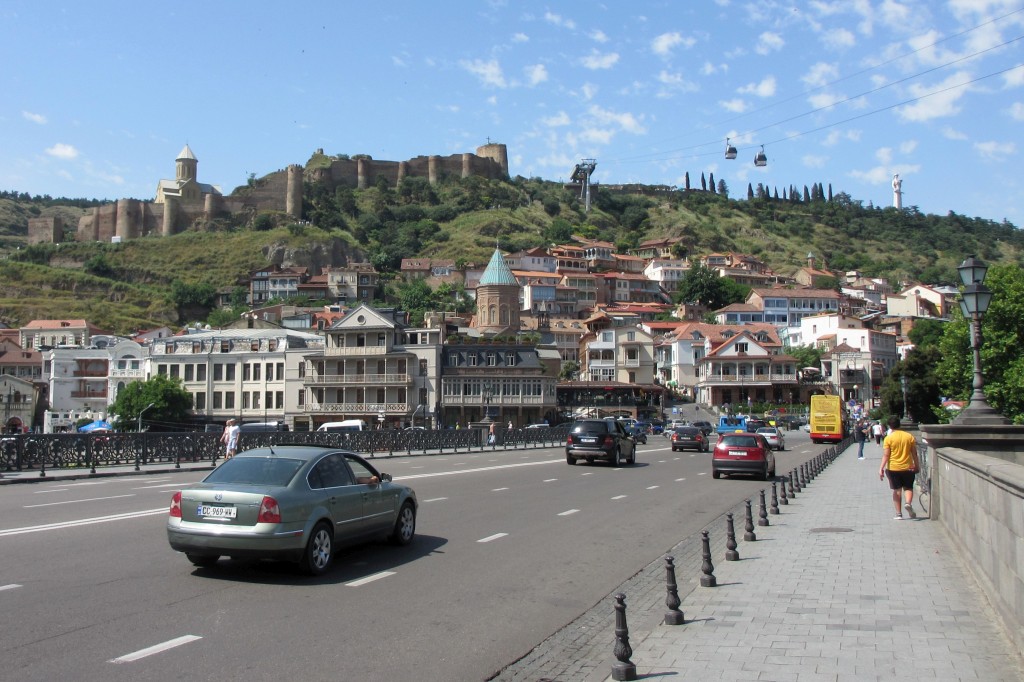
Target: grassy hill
122, 287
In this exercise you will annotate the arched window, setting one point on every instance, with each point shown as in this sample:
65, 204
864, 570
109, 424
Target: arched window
492, 315
504, 314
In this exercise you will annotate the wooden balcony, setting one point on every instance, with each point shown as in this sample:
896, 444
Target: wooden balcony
496, 401
359, 408
367, 380
355, 351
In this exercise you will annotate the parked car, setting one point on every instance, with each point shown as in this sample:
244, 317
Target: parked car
291, 502
705, 427
743, 453
690, 438
657, 426
774, 437
605, 439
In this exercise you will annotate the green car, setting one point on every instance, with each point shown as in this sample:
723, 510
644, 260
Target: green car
291, 502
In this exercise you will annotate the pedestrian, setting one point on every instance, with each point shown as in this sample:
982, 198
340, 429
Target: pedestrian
510, 424
491, 435
876, 431
900, 464
230, 438
860, 433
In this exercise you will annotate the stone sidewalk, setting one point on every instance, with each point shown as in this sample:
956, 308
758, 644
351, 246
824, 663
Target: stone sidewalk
833, 589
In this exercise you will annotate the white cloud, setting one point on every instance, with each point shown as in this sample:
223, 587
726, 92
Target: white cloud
908, 147
894, 14
823, 100
626, 121
820, 74
492, 100
766, 88
598, 36
736, 105
995, 151
814, 161
398, 61
35, 118
450, 108
62, 151
1017, 111
596, 135
1011, 79
710, 69
663, 44
884, 154
520, 38
488, 72
536, 74
559, 119
676, 82
951, 133
589, 90
942, 103
839, 38
558, 20
595, 60
837, 136
769, 42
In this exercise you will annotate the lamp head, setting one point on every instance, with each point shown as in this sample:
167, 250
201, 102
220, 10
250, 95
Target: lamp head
972, 271
975, 299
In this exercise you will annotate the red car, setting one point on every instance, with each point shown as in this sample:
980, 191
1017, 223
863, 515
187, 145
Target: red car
743, 453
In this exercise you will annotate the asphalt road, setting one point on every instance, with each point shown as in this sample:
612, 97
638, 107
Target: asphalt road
511, 546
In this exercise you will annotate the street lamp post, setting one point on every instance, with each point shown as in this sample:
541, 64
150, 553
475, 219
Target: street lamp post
143, 444
142, 412
488, 393
974, 301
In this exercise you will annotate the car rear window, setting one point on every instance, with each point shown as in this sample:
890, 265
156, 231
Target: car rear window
263, 471
687, 430
590, 427
738, 441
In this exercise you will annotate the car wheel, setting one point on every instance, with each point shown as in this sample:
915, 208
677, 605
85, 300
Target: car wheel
202, 560
405, 526
617, 458
715, 473
570, 460
317, 556
590, 460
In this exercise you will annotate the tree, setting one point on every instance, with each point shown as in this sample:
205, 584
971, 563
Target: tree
922, 386
806, 356
171, 403
1002, 362
704, 286
927, 333
723, 189
569, 371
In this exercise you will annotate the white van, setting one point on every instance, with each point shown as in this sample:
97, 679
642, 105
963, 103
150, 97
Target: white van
347, 426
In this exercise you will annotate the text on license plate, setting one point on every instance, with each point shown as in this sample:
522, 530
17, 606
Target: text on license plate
737, 453
216, 512
588, 440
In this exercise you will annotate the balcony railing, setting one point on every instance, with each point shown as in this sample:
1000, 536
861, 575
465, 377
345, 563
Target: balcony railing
632, 362
90, 394
127, 373
356, 351
748, 378
360, 408
470, 400
358, 379
90, 373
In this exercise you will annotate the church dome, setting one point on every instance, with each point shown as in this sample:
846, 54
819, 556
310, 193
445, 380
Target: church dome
497, 272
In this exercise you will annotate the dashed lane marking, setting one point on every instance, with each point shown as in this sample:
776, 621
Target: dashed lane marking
568, 512
90, 499
491, 538
155, 649
369, 579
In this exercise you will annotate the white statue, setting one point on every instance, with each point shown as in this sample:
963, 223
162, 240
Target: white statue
897, 191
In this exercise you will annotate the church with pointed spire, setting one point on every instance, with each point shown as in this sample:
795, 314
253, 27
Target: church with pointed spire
497, 299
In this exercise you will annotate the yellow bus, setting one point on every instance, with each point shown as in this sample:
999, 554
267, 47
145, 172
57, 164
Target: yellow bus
827, 421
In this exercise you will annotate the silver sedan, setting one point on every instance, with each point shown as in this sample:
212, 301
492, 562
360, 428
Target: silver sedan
774, 437
291, 502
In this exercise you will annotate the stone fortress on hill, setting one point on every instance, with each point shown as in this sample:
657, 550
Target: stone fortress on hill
182, 202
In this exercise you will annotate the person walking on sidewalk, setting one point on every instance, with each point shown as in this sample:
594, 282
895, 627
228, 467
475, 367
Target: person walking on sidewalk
860, 432
899, 463
876, 431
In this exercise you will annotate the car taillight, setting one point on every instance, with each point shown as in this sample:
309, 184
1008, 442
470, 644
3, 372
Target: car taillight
675, 436
699, 437
176, 505
269, 511
609, 440
569, 440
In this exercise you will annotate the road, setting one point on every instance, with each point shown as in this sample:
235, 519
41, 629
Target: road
511, 546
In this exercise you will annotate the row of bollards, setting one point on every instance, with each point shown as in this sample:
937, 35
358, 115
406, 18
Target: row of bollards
799, 478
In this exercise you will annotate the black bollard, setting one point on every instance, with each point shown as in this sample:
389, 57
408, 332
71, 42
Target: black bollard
748, 526
625, 669
794, 483
762, 511
730, 540
785, 499
707, 568
673, 616
802, 473
774, 509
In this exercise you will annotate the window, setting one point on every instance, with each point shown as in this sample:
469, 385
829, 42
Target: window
245, 372
741, 347
225, 346
491, 359
200, 400
472, 359
229, 373
245, 400
453, 360
200, 372
423, 368
189, 370
302, 370
161, 370
229, 401
255, 400
218, 372
280, 371
279, 400
269, 371
268, 399
301, 398
256, 372
218, 400
510, 359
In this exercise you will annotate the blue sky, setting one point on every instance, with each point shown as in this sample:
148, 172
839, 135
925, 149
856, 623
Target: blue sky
99, 97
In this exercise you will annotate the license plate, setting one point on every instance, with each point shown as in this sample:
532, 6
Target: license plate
207, 510
588, 440
737, 453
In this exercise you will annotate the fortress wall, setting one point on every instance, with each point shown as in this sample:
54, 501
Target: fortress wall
270, 192
45, 230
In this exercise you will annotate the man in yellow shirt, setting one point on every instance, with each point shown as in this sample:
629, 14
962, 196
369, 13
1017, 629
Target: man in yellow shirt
899, 463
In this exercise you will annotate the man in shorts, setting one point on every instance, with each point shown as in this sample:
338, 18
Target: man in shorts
899, 463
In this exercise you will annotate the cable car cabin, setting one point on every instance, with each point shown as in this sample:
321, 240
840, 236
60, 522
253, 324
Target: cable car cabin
760, 159
730, 151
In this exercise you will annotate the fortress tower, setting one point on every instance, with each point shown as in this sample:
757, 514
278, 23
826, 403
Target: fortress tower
293, 191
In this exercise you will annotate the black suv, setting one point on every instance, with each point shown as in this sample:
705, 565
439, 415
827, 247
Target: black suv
594, 439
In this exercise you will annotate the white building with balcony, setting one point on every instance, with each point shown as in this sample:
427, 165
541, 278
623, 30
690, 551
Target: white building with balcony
624, 354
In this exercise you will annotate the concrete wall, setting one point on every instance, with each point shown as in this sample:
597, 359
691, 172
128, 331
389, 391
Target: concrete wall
979, 499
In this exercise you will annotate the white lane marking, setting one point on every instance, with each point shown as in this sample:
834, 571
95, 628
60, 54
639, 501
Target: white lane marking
90, 499
619, 497
549, 480
703, 473
52, 490
12, 586
78, 483
497, 490
680, 479
83, 522
155, 649
369, 579
185, 484
471, 471
420, 466
587, 473
436, 499
651, 487
568, 512
492, 537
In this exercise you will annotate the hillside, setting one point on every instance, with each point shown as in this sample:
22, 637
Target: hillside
137, 284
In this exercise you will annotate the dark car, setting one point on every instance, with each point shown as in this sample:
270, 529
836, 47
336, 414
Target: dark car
639, 432
290, 502
754, 424
594, 439
743, 453
705, 427
689, 438
657, 426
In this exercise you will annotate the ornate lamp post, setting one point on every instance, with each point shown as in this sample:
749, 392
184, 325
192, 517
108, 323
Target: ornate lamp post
974, 301
488, 393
